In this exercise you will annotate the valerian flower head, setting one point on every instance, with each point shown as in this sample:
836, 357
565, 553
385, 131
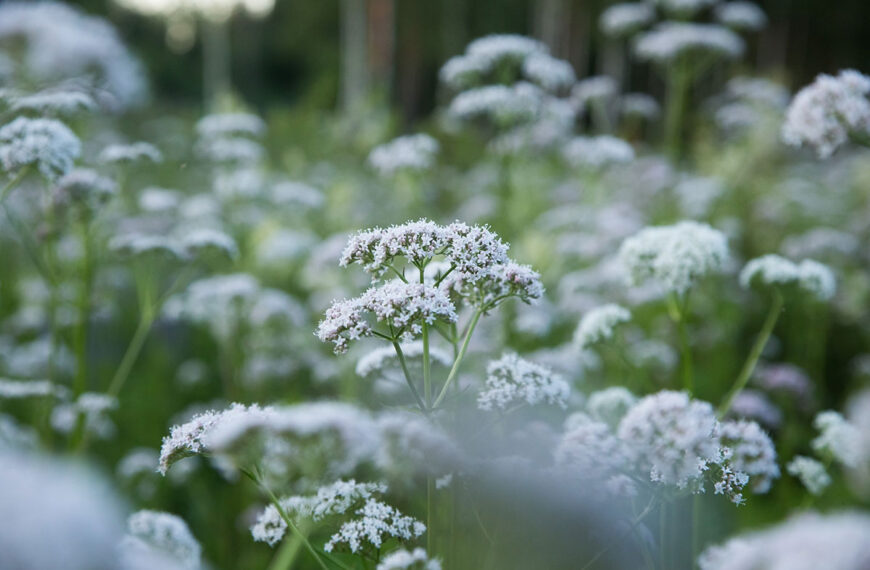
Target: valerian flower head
672, 437
501, 106
500, 282
674, 256
47, 144
55, 102
137, 152
839, 438
376, 522
84, 189
403, 559
804, 542
774, 270
499, 47
597, 152
154, 538
812, 473
222, 125
752, 452
610, 404
598, 89
672, 41
626, 19
377, 249
402, 307
200, 243
826, 113
597, 325
741, 16
411, 153
330, 500
512, 380
591, 451
548, 72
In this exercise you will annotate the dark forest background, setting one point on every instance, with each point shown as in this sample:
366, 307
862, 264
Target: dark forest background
294, 55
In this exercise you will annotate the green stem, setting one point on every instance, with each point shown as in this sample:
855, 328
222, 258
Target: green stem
408, 378
427, 373
430, 492
14, 182
679, 313
632, 525
286, 555
459, 357
754, 353
84, 307
679, 81
293, 527
696, 537
132, 353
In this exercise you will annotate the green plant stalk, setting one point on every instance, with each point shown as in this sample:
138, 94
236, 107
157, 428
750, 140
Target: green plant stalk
679, 80
293, 527
632, 525
696, 538
132, 353
679, 313
14, 182
287, 554
754, 354
408, 378
455, 368
427, 373
84, 307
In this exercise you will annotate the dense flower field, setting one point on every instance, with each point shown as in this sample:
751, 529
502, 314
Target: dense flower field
561, 325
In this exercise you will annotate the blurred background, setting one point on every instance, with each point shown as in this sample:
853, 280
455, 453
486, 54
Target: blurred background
346, 53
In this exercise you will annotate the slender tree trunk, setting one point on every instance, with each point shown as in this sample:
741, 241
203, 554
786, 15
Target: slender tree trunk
216, 61
382, 46
354, 58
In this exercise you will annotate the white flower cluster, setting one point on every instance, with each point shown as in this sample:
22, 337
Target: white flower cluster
227, 139
838, 438
475, 267
774, 270
297, 193
223, 302
741, 16
597, 151
402, 559
624, 20
674, 256
520, 57
130, 153
826, 113
512, 380
412, 153
403, 307
594, 90
62, 42
502, 281
47, 144
597, 325
376, 522
54, 102
92, 408
275, 436
610, 404
548, 72
222, 125
752, 453
670, 41
84, 189
23, 389
502, 105
154, 538
590, 449
806, 541
811, 473
672, 436
639, 105
334, 499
